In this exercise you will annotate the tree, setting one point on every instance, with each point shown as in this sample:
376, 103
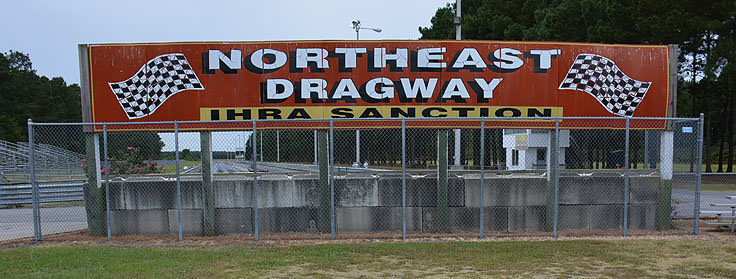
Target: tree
704, 31
24, 94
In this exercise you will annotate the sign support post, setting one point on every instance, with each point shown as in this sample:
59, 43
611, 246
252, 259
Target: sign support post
324, 182
208, 185
666, 151
442, 181
458, 36
357, 149
552, 160
95, 205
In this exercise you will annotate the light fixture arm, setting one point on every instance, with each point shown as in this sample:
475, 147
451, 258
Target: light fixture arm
357, 27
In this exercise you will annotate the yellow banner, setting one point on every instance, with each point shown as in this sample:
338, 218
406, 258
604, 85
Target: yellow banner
389, 112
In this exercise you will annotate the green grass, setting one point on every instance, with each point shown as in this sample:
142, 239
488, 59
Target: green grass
680, 167
172, 168
725, 188
632, 258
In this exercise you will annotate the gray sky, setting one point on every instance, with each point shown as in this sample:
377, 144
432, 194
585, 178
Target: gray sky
49, 31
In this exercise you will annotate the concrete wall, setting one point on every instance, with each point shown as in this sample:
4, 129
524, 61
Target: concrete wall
369, 203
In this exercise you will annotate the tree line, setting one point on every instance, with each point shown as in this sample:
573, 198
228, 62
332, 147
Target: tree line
24, 94
704, 31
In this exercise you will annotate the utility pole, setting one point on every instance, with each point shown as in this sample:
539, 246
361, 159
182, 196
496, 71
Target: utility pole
458, 22
357, 27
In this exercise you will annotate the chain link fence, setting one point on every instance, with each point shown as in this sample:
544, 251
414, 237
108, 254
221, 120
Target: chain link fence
364, 178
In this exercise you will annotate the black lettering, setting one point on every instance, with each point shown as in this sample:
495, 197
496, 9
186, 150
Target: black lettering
533, 112
298, 113
401, 92
463, 112
279, 89
478, 92
313, 96
265, 113
223, 67
331, 95
371, 113
341, 61
493, 67
502, 112
313, 67
342, 113
364, 96
398, 112
428, 112
248, 64
442, 92
471, 68
369, 63
537, 61
456, 99
483, 112
414, 68
292, 63
231, 114
214, 114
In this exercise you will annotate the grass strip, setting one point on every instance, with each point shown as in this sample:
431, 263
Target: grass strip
636, 258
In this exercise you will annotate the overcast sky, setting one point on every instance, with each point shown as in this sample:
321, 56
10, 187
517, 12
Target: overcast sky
49, 31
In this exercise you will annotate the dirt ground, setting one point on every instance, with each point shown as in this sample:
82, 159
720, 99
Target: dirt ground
82, 238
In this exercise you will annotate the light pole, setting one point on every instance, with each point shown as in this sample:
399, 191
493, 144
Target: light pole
458, 23
357, 27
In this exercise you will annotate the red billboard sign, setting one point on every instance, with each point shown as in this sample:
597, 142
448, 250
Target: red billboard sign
373, 79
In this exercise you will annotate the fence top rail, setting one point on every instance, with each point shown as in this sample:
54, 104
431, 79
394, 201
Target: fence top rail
677, 119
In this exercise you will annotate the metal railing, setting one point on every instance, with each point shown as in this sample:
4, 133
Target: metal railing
22, 194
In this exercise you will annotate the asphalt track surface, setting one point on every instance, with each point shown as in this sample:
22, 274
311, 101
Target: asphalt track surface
17, 223
684, 202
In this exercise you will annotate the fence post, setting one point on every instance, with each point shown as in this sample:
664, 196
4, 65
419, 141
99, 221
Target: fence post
178, 181
93, 193
549, 225
699, 174
278, 147
482, 172
261, 145
34, 185
357, 148
324, 183
556, 177
332, 181
646, 149
107, 182
254, 166
664, 201
403, 178
442, 182
208, 184
315, 148
626, 179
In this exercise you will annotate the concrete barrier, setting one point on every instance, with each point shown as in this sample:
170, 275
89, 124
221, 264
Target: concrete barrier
372, 203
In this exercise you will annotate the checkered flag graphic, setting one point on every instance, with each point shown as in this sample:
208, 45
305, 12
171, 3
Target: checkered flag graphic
156, 81
601, 78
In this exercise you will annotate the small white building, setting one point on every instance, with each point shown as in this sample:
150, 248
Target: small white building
528, 149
